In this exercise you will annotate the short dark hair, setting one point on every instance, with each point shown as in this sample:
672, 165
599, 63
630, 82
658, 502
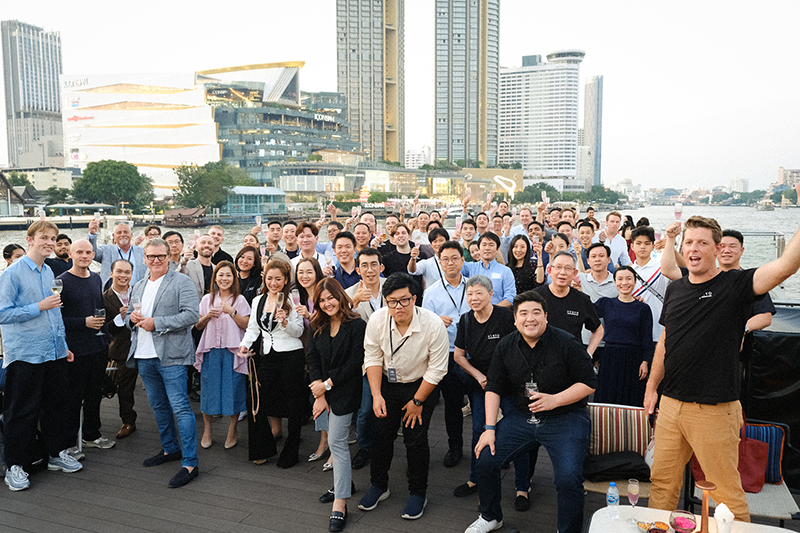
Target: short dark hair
502, 202
170, 233
451, 245
554, 208
369, 252
498, 216
361, 224
598, 245
313, 227
733, 233
9, 250
491, 236
586, 224
541, 226
273, 222
562, 237
470, 222
561, 223
590, 208
344, 235
482, 213
435, 223
335, 223
623, 268
644, 221
437, 212
62, 236
288, 223
643, 231
114, 264
391, 215
422, 212
435, 233
529, 296
399, 281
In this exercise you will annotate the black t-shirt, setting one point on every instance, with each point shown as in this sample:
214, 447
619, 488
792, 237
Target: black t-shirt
58, 266
208, 272
763, 304
293, 253
557, 362
480, 340
571, 312
704, 325
220, 256
249, 287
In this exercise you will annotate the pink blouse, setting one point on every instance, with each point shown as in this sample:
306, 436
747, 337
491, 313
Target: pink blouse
222, 332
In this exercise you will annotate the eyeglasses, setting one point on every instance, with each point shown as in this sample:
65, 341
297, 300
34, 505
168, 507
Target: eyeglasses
371, 266
159, 257
403, 302
447, 260
565, 268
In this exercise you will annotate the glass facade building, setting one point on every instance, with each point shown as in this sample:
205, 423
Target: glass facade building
593, 122
467, 80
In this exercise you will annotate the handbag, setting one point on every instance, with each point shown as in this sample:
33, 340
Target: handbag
752, 462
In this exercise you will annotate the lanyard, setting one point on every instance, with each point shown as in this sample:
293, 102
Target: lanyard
373, 307
391, 342
441, 277
128, 259
464, 290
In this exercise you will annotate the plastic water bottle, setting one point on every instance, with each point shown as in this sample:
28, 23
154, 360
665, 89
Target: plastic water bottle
612, 501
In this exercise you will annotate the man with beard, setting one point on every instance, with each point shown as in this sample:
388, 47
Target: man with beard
61, 262
200, 270
218, 234
121, 249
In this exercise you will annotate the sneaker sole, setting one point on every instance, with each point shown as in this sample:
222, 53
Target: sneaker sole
55, 468
17, 489
498, 526
380, 499
409, 517
93, 445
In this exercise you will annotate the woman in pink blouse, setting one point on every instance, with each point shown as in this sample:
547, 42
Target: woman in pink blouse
224, 314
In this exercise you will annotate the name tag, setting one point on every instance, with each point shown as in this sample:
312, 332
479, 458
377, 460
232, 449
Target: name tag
496, 275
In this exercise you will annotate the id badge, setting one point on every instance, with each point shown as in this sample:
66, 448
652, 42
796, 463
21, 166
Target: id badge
392, 375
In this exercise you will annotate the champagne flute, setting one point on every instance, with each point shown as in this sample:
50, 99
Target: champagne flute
678, 210
295, 297
99, 313
136, 302
56, 286
633, 497
530, 388
278, 301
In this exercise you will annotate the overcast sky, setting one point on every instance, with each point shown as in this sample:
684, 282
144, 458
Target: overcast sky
695, 92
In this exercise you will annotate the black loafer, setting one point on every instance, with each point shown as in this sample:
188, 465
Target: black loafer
338, 520
521, 503
162, 458
361, 459
183, 477
329, 496
452, 457
465, 490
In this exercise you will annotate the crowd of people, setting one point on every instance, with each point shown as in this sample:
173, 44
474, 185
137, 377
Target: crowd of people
518, 321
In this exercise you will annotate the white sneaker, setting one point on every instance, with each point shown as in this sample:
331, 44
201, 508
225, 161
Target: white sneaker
76, 453
64, 462
481, 525
103, 443
17, 478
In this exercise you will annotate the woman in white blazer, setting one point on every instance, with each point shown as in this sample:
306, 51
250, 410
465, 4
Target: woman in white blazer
279, 389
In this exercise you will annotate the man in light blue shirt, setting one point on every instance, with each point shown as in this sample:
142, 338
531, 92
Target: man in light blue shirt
447, 299
121, 249
36, 358
616, 242
505, 286
430, 269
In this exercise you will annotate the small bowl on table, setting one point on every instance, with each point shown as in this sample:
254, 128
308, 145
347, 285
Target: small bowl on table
682, 521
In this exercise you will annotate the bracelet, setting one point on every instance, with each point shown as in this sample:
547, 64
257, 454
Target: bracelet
487, 426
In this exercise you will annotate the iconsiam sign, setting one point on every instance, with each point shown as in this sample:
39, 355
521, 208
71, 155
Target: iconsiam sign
507, 184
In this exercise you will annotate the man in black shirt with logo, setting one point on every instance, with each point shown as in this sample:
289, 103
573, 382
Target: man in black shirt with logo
557, 363
696, 363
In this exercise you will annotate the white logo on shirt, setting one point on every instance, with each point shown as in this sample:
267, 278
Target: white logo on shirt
707, 294
493, 336
573, 313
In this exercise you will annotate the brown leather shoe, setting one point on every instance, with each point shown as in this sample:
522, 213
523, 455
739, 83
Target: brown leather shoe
125, 430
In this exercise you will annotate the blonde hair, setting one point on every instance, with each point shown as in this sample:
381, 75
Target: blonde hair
41, 226
697, 221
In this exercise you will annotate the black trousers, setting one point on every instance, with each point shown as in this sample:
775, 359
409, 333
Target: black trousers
125, 378
418, 455
453, 392
35, 395
86, 376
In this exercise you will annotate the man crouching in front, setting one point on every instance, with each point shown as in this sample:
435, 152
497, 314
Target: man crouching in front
552, 362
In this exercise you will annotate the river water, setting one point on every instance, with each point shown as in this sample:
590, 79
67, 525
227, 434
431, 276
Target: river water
758, 250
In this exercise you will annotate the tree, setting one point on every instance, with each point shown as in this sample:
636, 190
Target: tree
56, 195
112, 182
314, 157
378, 197
789, 194
426, 166
209, 185
533, 193
444, 164
19, 179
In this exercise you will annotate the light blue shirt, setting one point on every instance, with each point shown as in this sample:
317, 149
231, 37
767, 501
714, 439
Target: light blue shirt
505, 286
108, 253
30, 335
430, 269
447, 300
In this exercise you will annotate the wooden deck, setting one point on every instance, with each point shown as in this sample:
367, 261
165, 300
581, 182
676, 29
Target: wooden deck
114, 493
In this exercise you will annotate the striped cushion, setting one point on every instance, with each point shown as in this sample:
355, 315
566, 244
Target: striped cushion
618, 428
774, 436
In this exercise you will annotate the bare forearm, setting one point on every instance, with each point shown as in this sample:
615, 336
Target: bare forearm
574, 393
374, 376
594, 340
492, 406
776, 272
657, 368
424, 390
759, 321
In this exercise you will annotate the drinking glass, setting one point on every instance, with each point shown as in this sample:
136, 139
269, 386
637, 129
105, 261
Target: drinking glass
530, 388
633, 497
99, 313
136, 302
56, 286
329, 258
458, 222
258, 220
678, 210
295, 297
278, 301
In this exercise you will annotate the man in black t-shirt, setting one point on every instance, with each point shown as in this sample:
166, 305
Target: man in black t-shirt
569, 309
558, 364
696, 363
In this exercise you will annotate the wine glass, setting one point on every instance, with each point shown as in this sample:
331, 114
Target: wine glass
678, 210
56, 286
99, 313
530, 388
136, 302
329, 258
633, 497
295, 297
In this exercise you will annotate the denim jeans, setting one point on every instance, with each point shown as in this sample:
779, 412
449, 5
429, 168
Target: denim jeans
365, 417
522, 476
167, 394
566, 439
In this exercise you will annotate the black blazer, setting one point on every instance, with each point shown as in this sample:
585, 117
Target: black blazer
339, 358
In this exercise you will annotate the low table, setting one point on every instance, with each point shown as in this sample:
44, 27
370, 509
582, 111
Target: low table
601, 523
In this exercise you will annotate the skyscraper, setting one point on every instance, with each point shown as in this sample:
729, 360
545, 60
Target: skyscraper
593, 121
467, 80
31, 65
539, 114
369, 40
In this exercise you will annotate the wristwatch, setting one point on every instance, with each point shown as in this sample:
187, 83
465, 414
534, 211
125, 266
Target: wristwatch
416, 402
327, 385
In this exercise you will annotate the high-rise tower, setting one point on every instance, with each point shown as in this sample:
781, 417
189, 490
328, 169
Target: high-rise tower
369, 40
593, 121
31, 60
467, 80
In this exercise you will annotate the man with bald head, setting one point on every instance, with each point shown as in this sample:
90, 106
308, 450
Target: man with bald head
122, 248
82, 295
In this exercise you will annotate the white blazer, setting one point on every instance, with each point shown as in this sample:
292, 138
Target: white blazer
279, 338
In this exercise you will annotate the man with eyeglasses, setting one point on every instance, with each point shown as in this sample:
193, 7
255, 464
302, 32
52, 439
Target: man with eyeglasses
161, 346
405, 356
446, 298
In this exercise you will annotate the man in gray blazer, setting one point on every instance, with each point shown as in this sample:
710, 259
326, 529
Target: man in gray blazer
161, 346
199, 270
105, 254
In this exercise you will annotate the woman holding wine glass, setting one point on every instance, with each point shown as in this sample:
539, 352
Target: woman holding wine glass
278, 381
248, 266
224, 314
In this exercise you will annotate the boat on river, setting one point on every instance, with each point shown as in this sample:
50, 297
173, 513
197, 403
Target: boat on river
185, 218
